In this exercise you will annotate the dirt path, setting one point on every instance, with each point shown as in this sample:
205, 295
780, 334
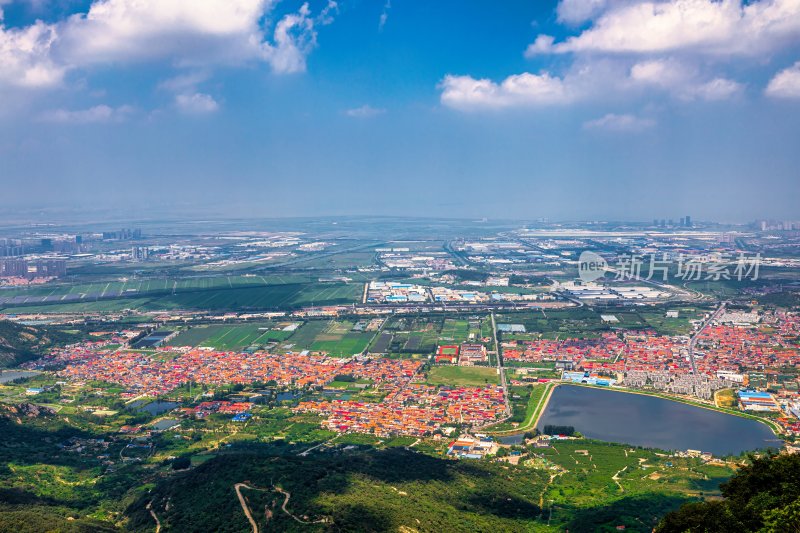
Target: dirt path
306, 452
287, 495
615, 477
541, 496
245, 507
153, 514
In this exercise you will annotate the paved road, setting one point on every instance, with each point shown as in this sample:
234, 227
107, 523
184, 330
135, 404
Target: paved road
500, 369
694, 338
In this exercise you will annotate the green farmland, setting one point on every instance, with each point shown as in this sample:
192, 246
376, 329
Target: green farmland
462, 376
230, 337
232, 294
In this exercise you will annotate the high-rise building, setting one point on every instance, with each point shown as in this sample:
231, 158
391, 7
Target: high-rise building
688, 221
20, 268
140, 253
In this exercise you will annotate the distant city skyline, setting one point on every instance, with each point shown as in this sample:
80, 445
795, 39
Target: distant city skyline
569, 110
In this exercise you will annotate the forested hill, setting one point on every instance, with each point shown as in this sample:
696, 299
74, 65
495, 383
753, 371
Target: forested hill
20, 343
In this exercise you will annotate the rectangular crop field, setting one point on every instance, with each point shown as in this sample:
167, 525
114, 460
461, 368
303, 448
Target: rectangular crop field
462, 376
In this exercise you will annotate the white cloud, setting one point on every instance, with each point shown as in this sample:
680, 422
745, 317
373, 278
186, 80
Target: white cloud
588, 80
186, 32
661, 72
294, 38
716, 89
682, 81
579, 11
384, 14
185, 81
25, 56
620, 123
196, 103
726, 27
786, 83
328, 13
542, 45
526, 89
96, 114
365, 111
200, 34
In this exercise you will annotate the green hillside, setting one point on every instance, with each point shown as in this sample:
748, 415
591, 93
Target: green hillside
20, 343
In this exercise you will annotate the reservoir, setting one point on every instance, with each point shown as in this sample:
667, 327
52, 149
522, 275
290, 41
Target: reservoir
154, 408
653, 422
7, 376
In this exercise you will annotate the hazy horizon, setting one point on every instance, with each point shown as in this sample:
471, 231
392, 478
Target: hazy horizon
570, 110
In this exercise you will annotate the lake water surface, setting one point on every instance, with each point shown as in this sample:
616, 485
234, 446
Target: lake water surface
154, 408
653, 422
7, 376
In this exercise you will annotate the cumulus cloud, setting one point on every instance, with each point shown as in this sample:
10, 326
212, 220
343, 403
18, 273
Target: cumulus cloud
186, 32
196, 103
620, 123
588, 80
526, 89
201, 34
786, 83
365, 111
542, 45
25, 56
96, 114
716, 89
682, 81
727, 27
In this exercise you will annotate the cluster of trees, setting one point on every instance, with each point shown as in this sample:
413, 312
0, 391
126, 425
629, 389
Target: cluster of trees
550, 429
763, 496
468, 275
517, 279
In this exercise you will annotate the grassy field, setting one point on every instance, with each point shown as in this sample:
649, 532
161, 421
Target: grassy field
462, 376
304, 337
454, 330
338, 339
333, 336
725, 398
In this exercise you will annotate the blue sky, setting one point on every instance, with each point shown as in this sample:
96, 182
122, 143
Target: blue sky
578, 109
